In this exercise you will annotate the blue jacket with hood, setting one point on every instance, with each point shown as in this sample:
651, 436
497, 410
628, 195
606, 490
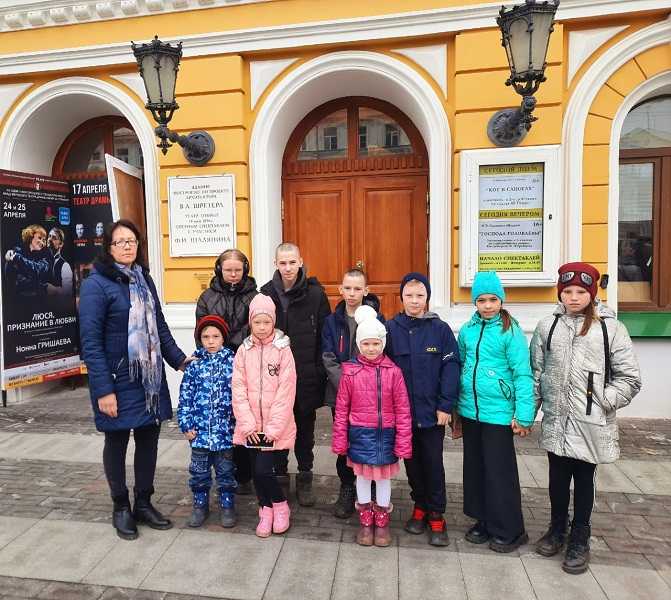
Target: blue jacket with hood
206, 400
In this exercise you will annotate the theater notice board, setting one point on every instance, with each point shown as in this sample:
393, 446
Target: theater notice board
510, 231
201, 212
40, 339
510, 214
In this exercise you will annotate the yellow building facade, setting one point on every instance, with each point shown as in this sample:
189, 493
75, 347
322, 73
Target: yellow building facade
253, 70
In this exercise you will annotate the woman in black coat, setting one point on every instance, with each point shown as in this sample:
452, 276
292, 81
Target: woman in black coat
124, 340
230, 292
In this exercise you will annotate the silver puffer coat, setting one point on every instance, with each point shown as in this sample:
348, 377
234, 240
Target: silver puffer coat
561, 376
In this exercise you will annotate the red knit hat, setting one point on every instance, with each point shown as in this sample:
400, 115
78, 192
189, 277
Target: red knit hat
212, 321
578, 273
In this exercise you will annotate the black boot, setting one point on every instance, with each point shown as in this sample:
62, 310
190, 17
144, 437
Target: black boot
344, 506
478, 534
227, 517
576, 560
122, 518
555, 537
304, 489
201, 509
145, 513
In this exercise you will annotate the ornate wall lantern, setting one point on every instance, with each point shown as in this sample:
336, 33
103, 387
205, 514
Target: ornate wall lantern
158, 63
525, 34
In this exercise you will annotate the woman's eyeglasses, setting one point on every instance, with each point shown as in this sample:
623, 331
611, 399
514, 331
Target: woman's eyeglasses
124, 243
567, 276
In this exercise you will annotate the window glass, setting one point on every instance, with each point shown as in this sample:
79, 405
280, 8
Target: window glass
648, 125
327, 139
635, 242
87, 154
381, 134
127, 147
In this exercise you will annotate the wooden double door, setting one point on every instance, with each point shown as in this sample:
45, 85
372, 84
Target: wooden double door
367, 207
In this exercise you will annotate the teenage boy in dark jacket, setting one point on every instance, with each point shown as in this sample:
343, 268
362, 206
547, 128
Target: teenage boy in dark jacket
424, 348
339, 346
302, 307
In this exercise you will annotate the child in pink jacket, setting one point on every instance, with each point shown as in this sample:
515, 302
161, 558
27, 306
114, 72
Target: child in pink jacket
264, 386
372, 425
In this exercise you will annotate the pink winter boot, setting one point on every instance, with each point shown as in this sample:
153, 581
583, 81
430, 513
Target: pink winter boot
265, 526
281, 512
366, 533
382, 531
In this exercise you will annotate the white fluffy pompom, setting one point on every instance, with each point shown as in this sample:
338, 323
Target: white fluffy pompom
364, 313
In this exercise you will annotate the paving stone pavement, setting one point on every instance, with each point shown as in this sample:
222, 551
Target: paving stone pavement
56, 540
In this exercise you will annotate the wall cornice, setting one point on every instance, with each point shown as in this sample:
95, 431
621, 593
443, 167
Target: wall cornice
31, 14
17, 15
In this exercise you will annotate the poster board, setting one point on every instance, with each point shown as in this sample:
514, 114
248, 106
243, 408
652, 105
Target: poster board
40, 338
201, 213
91, 213
510, 201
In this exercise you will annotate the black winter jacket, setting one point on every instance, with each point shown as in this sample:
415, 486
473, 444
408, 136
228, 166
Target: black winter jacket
231, 303
303, 322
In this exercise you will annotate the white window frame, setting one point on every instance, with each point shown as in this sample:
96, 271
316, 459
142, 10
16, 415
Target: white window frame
471, 160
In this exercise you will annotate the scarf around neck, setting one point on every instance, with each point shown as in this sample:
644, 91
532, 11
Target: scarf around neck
144, 346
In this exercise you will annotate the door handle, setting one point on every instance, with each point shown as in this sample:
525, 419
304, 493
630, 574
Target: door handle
359, 264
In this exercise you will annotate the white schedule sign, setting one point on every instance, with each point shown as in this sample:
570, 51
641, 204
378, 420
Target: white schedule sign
510, 225
201, 212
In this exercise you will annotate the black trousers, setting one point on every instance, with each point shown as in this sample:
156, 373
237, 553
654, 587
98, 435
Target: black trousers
562, 470
425, 470
491, 481
243, 464
268, 490
304, 446
144, 462
345, 473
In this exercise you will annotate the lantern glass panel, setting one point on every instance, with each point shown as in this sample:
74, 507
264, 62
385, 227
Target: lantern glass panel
520, 41
150, 77
168, 75
540, 38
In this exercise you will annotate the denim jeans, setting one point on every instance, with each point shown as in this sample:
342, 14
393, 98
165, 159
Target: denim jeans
200, 469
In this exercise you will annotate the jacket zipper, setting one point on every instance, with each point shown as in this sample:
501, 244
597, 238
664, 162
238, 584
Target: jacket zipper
341, 343
261, 388
209, 421
475, 371
379, 415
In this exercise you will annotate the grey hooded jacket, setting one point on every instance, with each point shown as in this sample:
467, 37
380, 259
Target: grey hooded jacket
561, 376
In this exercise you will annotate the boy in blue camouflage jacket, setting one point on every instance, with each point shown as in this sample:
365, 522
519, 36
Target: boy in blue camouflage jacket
205, 417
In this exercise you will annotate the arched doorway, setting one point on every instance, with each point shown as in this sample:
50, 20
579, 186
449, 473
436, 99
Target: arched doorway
355, 183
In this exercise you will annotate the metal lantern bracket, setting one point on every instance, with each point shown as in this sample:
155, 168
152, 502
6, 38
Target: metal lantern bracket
198, 146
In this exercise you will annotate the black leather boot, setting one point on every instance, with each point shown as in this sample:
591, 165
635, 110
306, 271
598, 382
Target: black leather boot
304, 489
145, 513
344, 506
478, 534
555, 537
122, 518
576, 560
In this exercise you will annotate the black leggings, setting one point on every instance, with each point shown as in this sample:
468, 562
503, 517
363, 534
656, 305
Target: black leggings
268, 490
144, 462
562, 470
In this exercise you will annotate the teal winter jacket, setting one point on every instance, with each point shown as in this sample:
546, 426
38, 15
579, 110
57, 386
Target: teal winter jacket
496, 379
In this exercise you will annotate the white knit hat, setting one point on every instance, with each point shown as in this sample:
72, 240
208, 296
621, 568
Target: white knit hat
368, 327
